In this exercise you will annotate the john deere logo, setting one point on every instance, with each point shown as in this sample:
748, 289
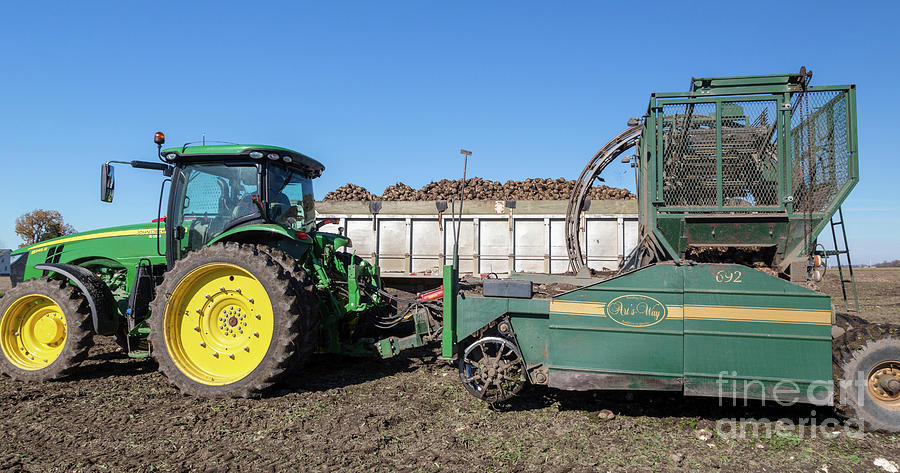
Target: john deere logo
635, 310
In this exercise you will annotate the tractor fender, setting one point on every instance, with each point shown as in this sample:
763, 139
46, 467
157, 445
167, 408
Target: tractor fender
262, 234
244, 232
99, 297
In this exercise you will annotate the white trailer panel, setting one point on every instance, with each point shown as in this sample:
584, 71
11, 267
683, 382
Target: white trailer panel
412, 239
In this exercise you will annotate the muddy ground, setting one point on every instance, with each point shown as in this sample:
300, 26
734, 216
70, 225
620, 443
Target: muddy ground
878, 288
405, 414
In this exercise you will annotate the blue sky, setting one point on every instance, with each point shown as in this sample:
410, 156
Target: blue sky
389, 91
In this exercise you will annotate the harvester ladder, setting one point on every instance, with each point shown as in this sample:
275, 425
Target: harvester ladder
843, 250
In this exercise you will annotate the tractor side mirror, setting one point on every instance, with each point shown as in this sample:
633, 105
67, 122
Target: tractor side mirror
107, 182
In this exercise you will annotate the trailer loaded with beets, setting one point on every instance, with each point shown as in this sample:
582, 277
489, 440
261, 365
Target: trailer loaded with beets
233, 289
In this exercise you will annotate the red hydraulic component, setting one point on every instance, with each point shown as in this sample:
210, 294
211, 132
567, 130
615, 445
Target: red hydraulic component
431, 295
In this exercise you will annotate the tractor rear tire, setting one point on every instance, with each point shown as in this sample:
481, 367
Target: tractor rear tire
862, 357
45, 330
226, 321
311, 323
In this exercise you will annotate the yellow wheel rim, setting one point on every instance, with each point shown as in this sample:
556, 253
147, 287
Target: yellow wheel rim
879, 387
32, 332
218, 324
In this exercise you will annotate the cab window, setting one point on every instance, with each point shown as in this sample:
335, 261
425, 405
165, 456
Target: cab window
290, 197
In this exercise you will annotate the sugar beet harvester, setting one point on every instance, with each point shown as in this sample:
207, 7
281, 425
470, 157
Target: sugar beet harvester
753, 166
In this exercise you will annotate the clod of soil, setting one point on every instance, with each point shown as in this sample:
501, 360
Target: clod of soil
606, 414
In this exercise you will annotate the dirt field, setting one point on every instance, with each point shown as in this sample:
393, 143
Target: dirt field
406, 414
879, 292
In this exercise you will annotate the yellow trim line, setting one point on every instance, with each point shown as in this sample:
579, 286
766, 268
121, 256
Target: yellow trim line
758, 314
711, 312
595, 309
598, 309
91, 236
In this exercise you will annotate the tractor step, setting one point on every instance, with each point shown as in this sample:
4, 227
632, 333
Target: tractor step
139, 354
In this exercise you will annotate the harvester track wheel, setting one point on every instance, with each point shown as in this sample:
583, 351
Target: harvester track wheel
226, 321
867, 363
45, 330
492, 369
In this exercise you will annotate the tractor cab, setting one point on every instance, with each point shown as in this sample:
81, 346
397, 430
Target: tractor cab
218, 188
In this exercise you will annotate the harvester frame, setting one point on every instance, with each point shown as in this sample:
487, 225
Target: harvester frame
752, 165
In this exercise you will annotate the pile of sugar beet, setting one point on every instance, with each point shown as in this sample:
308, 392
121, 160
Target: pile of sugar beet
480, 189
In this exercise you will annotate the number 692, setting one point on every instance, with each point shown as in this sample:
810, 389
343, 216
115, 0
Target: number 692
726, 277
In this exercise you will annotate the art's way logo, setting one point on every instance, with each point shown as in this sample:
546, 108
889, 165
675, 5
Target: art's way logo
635, 310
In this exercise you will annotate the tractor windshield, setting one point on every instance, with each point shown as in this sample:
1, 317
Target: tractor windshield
290, 197
213, 197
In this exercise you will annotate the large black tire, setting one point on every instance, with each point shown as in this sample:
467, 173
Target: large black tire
78, 328
289, 308
311, 322
856, 353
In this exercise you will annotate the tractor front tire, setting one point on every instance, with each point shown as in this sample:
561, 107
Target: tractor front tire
226, 321
45, 330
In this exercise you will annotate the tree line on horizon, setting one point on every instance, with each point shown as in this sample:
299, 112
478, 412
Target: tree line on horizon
888, 264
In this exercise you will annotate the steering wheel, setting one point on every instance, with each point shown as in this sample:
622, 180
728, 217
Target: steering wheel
244, 206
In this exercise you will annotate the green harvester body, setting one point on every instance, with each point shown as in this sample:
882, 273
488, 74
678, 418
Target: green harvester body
758, 162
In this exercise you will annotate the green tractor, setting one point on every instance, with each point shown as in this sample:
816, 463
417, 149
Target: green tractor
229, 292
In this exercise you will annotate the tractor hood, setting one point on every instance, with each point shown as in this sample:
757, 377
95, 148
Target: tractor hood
144, 230
122, 246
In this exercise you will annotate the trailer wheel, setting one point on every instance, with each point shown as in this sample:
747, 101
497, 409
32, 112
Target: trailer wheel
45, 330
226, 321
869, 377
492, 369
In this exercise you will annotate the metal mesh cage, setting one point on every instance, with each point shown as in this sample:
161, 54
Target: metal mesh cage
689, 146
749, 157
745, 162
820, 148
749, 154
